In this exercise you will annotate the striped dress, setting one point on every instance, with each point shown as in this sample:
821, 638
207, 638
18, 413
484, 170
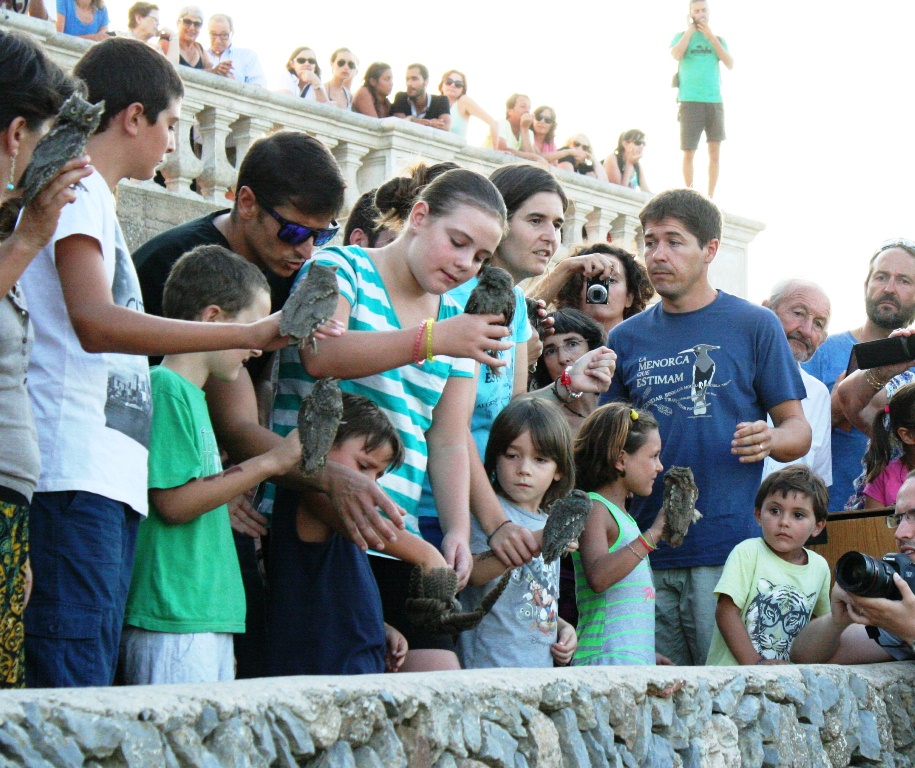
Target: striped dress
616, 626
407, 395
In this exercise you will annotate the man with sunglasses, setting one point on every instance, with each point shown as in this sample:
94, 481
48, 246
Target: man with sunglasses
229, 61
289, 190
889, 302
864, 630
418, 105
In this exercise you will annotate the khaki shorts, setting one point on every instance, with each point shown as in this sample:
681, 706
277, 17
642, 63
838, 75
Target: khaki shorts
696, 117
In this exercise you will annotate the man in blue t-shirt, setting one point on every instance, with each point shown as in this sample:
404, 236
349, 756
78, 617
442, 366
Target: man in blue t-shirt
699, 50
710, 366
889, 301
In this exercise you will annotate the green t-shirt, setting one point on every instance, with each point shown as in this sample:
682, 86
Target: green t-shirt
185, 577
700, 77
776, 598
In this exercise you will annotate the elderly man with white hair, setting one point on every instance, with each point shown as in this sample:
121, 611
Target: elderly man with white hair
803, 309
228, 60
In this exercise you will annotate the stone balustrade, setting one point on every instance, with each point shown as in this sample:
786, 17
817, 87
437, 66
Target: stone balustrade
368, 151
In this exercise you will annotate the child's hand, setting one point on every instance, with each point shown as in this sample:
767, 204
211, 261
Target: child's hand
287, 454
515, 545
564, 648
244, 518
662, 661
265, 334
655, 534
396, 649
572, 547
593, 371
329, 330
771, 662
457, 555
473, 336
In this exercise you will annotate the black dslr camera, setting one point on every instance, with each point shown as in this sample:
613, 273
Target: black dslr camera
866, 576
597, 291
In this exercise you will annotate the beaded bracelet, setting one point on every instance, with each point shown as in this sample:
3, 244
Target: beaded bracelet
428, 324
417, 354
632, 549
566, 380
648, 534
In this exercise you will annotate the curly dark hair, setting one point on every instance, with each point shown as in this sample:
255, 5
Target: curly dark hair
637, 282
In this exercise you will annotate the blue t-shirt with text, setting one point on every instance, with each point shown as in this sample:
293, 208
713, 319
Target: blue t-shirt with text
701, 373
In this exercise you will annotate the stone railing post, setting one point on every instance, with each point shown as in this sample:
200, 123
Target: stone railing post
218, 175
349, 158
245, 131
576, 216
625, 232
598, 224
182, 166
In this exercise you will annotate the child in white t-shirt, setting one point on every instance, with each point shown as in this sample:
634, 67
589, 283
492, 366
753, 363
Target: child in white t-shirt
771, 586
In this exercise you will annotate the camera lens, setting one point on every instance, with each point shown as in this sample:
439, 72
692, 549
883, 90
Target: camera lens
597, 294
866, 576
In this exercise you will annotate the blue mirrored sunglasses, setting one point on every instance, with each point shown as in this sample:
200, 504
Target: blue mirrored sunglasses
296, 234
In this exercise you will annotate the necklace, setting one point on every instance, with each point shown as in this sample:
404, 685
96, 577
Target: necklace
572, 410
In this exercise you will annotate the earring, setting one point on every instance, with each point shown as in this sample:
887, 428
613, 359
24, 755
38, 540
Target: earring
9, 185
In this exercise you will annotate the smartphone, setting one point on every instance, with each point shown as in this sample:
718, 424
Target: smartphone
873, 354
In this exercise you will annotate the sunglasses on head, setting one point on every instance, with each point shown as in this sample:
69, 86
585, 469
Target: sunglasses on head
547, 120
899, 242
296, 234
344, 62
578, 144
305, 60
192, 23
455, 83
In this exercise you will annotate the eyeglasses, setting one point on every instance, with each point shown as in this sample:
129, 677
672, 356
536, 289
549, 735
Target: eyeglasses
192, 23
547, 120
568, 346
305, 60
455, 83
894, 521
343, 63
221, 36
296, 234
899, 242
578, 144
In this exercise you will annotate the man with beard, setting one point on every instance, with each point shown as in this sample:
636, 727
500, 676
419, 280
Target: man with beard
889, 300
418, 105
803, 309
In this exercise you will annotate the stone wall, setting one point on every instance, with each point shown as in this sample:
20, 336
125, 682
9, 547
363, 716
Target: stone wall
814, 716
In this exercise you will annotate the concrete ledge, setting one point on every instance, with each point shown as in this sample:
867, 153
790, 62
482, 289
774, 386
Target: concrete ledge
739, 716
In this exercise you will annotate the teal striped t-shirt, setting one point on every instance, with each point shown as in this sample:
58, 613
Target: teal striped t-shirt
407, 395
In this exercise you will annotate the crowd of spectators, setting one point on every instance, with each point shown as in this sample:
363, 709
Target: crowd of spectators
588, 384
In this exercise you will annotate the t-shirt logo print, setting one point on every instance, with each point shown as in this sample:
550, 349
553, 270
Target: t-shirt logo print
703, 373
128, 407
776, 616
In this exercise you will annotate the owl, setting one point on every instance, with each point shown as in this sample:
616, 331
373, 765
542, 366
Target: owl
75, 123
494, 294
565, 523
319, 417
312, 303
680, 494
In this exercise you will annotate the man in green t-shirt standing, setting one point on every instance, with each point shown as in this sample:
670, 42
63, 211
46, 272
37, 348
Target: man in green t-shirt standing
699, 50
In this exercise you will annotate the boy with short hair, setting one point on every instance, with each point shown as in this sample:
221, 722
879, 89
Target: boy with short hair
771, 585
325, 615
88, 378
186, 596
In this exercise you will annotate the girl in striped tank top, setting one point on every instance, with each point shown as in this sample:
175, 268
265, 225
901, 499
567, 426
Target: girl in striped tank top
616, 454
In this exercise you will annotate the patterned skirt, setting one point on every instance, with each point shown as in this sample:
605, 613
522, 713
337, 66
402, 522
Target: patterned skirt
14, 551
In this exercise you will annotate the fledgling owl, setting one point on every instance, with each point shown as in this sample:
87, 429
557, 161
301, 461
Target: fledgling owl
319, 418
680, 494
75, 123
494, 294
564, 524
312, 303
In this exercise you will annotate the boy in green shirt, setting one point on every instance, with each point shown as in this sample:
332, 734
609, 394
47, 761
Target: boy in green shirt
186, 596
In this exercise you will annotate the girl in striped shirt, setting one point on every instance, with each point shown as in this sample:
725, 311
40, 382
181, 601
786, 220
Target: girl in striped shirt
616, 454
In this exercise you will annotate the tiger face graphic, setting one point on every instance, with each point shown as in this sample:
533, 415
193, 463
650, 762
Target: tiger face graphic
776, 616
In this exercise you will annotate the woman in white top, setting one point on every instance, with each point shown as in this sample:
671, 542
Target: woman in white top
343, 69
454, 86
303, 74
